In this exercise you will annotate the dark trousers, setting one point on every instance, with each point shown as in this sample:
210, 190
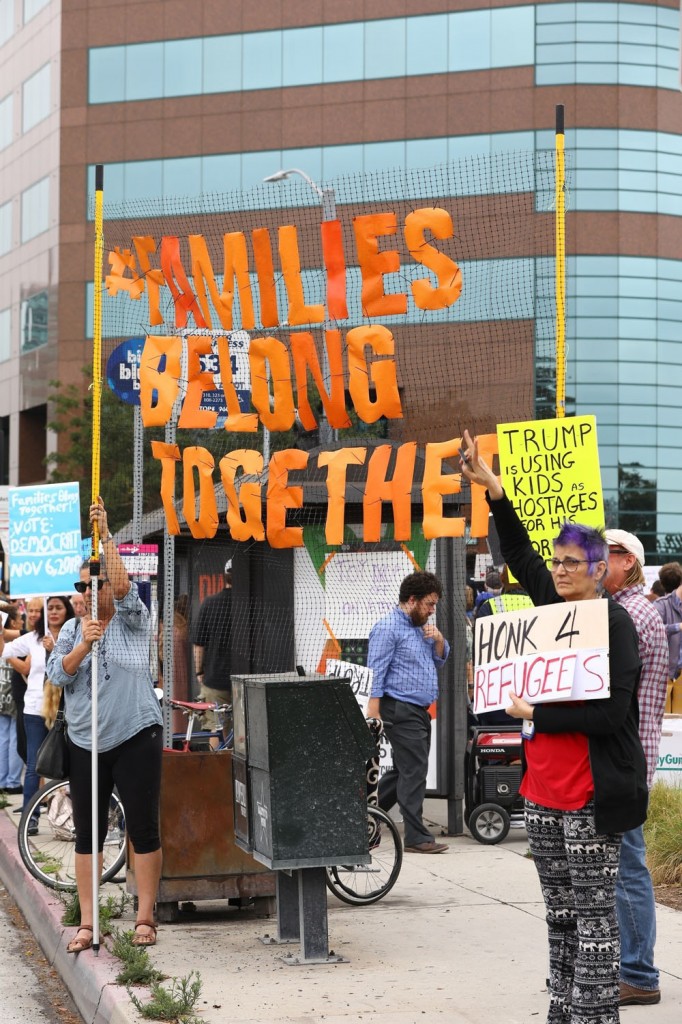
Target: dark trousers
408, 728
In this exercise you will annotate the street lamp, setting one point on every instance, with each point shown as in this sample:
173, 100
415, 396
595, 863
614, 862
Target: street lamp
328, 200
326, 195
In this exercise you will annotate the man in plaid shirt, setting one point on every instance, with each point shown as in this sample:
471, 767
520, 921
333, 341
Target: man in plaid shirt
635, 902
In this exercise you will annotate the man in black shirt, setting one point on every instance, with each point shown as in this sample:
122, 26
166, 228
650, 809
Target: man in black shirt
212, 639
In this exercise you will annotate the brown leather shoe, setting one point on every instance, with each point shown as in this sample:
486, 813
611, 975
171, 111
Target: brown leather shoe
631, 996
427, 848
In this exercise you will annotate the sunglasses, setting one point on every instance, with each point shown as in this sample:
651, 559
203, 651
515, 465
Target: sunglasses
82, 587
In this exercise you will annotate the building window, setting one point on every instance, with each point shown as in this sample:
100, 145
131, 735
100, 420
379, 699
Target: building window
5, 228
35, 104
34, 322
5, 335
33, 7
6, 20
35, 209
6, 121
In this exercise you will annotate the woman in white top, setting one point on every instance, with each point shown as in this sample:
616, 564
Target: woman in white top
37, 645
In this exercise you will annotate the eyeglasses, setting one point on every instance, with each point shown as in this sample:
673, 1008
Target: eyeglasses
568, 564
81, 587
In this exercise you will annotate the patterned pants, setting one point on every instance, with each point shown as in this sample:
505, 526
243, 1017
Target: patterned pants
578, 871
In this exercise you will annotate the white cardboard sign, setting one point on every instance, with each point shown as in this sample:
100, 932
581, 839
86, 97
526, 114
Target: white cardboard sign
553, 652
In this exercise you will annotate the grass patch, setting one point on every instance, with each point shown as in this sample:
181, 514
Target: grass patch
174, 1004
4, 802
137, 968
113, 907
662, 831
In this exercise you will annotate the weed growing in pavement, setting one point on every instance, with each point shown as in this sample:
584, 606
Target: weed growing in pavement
174, 1004
113, 907
4, 802
137, 968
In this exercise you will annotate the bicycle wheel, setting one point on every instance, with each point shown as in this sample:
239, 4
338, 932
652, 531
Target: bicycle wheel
50, 853
367, 883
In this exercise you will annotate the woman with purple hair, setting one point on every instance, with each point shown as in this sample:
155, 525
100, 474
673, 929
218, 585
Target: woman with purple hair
584, 779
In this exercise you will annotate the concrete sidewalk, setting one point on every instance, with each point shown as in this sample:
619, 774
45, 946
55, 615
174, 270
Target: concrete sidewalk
460, 939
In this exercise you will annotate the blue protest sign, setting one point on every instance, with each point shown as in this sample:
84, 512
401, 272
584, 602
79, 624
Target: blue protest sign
123, 370
44, 539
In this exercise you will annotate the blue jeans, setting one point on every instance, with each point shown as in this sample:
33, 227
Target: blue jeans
36, 731
636, 910
11, 765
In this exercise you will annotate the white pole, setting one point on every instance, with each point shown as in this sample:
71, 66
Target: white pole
94, 773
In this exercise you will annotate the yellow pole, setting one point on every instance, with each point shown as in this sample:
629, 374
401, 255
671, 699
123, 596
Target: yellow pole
560, 229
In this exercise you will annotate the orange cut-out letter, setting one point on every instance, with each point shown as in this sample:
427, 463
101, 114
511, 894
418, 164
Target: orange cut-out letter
335, 264
206, 523
159, 388
435, 484
374, 264
262, 254
244, 422
121, 260
236, 279
304, 355
202, 275
184, 299
144, 245
198, 381
298, 312
281, 497
249, 498
449, 289
338, 462
480, 512
168, 455
264, 352
398, 491
381, 374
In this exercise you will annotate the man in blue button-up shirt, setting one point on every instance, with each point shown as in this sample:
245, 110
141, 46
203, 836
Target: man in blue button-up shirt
405, 652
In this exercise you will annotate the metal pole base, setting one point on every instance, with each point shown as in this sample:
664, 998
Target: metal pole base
301, 961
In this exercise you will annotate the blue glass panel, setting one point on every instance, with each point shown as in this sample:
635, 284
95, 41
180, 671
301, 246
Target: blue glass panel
632, 74
144, 71
595, 53
640, 160
380, 156
556, 53
667, 79
592, 138
590, 178
549, 13
344, 52
302, 56
427, 45
599, 31
182, 67
114, 183
638, 267
221, 173
308, 160
559, 33
636, 54
637, 372
587, 328
340, 160
588, 371
222, 64
637, 34
143, 180
182, 176
587, 199
262, 60
469, 41
636, 394
35, 209
596, 74
596, 11
602, 306
637, 202
638, 180
426, 152
256, 166
385, 48
512, 37
595, 159
106, 75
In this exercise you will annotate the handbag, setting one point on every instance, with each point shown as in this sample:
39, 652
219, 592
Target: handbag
52, 760
7, 705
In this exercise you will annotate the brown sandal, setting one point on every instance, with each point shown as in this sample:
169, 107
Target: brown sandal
141, 939
78, 945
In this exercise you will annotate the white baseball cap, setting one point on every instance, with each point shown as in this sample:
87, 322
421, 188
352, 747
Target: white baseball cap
628, 541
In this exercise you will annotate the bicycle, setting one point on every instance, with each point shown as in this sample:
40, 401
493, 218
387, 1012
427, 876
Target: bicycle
358, 884
49, 855
194, 710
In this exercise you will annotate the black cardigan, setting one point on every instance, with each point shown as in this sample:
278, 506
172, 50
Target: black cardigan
611, 725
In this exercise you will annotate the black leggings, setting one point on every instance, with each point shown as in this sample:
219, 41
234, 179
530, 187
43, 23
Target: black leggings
134, 768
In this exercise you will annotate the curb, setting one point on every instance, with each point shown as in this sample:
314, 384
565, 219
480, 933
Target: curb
90, 979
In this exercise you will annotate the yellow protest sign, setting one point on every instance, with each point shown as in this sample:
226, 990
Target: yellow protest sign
550, 472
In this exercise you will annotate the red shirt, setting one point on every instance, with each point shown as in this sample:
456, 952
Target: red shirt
558, 773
